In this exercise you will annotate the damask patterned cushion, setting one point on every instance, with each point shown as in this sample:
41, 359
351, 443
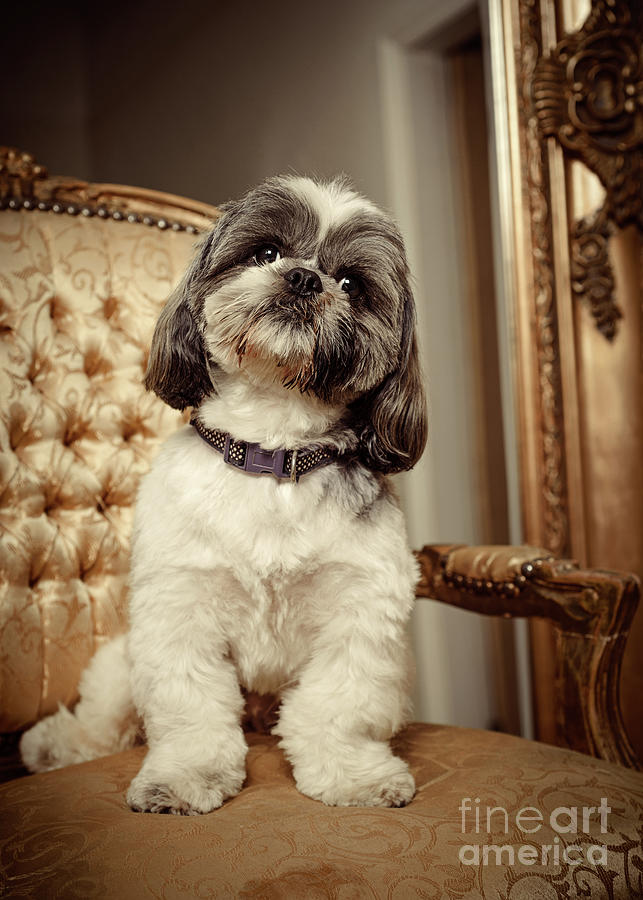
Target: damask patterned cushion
70, 834
78, 301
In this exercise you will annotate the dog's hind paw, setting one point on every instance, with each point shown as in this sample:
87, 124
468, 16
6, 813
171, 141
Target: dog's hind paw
50, 743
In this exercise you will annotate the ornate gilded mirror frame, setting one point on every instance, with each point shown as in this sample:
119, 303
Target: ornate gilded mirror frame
571, 173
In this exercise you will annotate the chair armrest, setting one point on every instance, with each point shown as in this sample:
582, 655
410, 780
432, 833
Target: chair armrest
591, 611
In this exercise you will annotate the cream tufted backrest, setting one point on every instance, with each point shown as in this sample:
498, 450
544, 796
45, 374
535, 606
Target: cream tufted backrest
84, 271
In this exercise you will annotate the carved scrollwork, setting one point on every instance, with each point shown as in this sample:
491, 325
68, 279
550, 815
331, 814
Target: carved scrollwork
26, 185
18, 173
555, 526
592, 278
588, 95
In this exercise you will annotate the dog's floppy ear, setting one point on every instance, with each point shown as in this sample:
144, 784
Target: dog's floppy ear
177, 368
394, 416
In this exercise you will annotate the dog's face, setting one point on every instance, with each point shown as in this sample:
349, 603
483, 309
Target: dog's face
307, 284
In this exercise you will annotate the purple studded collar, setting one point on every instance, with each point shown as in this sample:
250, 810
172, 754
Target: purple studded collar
252, 458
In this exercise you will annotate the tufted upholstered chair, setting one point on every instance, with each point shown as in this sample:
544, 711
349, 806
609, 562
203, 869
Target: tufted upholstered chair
84, 270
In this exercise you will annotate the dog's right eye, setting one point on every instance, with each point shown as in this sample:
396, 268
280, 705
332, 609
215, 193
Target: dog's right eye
267, 254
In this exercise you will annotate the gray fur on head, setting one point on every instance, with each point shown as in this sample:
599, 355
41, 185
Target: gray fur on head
360, 350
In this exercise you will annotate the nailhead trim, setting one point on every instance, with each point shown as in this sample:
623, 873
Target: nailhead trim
510, 588
103, 212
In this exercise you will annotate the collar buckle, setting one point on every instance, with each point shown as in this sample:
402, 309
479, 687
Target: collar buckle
252, 458
265, 462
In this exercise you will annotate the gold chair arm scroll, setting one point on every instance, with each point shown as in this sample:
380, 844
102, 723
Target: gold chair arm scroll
591, 611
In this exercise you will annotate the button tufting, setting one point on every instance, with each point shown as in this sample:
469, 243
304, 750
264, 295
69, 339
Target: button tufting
75, 431
57, 308
110, 306
96, 364
80, 428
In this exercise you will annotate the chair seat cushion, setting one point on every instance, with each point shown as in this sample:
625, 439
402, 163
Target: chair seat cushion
70, 833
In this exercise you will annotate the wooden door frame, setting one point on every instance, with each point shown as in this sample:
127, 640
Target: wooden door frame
412, 67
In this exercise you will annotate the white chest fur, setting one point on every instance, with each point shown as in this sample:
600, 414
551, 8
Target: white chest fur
260, 551
262, 566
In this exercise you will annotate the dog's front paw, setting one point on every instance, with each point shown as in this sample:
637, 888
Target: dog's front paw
397, 791
389, 785
182, 794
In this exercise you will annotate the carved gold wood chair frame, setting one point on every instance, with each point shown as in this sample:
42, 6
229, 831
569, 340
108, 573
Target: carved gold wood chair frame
590, 610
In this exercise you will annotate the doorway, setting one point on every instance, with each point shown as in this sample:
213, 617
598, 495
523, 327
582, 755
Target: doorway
472, 670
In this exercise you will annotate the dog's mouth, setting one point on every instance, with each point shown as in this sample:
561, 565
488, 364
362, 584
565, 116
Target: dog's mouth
281, 333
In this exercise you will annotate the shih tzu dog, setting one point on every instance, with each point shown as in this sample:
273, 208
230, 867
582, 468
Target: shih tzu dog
269, 551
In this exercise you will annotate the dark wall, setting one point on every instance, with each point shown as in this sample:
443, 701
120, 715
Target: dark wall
199, 98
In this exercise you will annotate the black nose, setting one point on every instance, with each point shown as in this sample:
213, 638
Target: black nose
304, 281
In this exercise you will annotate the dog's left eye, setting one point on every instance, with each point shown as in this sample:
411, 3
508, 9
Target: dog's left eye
267, 254
352, 285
